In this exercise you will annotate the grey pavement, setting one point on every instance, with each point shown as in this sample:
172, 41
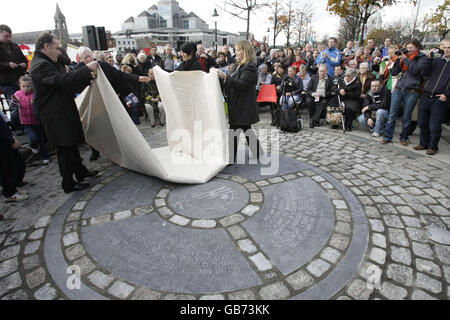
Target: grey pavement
344, 218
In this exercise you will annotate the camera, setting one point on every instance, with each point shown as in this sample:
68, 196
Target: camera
401, 52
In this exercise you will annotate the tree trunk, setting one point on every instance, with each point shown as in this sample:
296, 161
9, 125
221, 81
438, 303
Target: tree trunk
300, 30
248, 24
275, 25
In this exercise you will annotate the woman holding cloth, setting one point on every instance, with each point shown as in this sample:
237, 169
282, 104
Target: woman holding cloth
240, 85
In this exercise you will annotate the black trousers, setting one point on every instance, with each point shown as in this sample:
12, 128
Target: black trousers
12, 170
70, 163
247, 130
349, 117
317, 110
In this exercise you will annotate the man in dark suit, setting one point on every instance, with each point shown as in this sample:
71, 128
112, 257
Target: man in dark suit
319, 94
54, 92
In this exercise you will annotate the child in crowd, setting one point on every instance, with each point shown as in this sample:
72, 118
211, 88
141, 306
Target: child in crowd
24, 101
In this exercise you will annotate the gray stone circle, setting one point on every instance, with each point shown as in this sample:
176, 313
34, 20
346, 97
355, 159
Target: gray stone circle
295, 284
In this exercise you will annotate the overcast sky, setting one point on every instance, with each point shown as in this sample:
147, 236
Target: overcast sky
32, 15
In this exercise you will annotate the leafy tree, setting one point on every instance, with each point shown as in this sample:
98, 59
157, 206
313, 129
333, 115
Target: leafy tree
439, 19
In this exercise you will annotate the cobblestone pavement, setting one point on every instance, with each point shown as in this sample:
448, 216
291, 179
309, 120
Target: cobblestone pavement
345, 218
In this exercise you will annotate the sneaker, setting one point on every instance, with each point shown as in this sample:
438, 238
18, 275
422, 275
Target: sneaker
45, 162
17, 198
22, 191
35, 151
376, 135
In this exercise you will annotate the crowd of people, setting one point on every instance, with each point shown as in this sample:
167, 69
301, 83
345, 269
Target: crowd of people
371, 84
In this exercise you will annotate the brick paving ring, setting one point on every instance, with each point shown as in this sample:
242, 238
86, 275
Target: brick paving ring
299, 235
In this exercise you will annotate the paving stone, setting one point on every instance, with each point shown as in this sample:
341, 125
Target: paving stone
401, 255
422, 250
256, 197
237, 232
443, 253
247, 246
9, 253
318, 267
179, 297
120, 290
100, 280
379, 240
359, 290
148, 209
393, 221
334, 195
100, 220
70, 239
250, 210
429, 267
392, 291
204, 224
343, 298
405, 210
42, 222
420, 295
179, 220
85, 264
376, 225
242, 295
275, 291
9, 283
47, 292
253, 187
35, 278
340, 204
9, 266
74, 216
160, 203
31, 262
166, 212
261, 262
343, 228
19, 295
339, 241
398, 237
14, 239
234, 219
440, 210
412, 222
122, 215
32, 247
163, 193
401, 274
447, 273
37, 235
276, 180
417, 234
425, 282
331, 255
387, 209
300, 280
75, 252
79, 206
146, 294
372, 212
262, 183
216, 297
378, 255
343, 215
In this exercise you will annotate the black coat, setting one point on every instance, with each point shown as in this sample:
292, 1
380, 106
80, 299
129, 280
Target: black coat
153, 62
190, 65
54, 93
352, 94
241, 95
377, 101
123, 83
314, 83
10, 76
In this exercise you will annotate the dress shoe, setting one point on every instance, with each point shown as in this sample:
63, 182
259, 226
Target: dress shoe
384, 141
317, 124
22, 184
312, 124
404, 143
77, 187
419, 148
94, 156
89, 174
431, 152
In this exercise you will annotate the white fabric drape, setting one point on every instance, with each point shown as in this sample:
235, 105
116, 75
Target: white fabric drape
194, 109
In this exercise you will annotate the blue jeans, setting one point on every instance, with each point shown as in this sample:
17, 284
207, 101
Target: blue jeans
409, 100
380, 122
37, 138
8, 91
431, 114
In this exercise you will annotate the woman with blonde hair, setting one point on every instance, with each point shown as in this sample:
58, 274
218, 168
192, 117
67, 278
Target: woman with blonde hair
131, 61
240, 86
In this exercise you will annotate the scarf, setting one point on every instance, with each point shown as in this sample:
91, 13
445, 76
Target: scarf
410, 57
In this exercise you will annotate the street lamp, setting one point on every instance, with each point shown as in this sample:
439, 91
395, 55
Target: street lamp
268, 37
215, 18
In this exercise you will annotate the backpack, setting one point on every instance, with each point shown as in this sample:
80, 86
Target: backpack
290, 121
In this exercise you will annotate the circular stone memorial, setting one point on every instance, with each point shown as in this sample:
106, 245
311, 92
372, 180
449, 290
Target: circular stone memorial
298, 235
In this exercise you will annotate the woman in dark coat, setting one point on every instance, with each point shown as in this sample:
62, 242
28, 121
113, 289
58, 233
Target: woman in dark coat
350, 88
240, 86
190, 61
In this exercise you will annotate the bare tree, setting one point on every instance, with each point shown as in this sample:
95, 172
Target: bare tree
303, 18
243, 9
349, 28
275, 18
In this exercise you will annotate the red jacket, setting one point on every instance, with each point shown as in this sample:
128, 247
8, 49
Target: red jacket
26, 108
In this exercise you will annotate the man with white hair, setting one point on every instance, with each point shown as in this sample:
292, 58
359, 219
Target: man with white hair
206, 61
153, 104
168, 61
